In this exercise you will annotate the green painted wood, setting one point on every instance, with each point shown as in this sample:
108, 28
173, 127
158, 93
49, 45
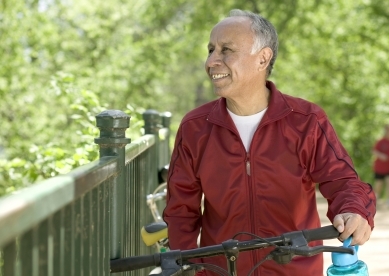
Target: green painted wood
35, 203
62, 226
26, 252
79, 249
94, 241
43, 248
10, 254
35, 252
31, 205
139, 146
86, 235
106, 227
93, 174
57, 231
69, 229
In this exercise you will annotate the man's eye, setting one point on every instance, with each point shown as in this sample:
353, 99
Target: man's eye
225, 49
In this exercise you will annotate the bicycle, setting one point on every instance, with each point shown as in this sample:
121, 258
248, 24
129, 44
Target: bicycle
155, 233
287, 245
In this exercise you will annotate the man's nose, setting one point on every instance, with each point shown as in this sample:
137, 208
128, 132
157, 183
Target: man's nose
214, 59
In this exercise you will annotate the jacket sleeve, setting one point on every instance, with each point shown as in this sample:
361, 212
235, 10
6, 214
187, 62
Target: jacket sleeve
339, 183
183, 207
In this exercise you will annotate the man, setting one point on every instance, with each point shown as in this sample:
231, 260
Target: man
256, 155
381, 165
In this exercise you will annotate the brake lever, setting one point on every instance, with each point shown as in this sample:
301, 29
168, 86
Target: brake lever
169, 264
284, 254
311, 251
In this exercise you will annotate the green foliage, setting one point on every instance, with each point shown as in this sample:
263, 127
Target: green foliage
63, 62
331, 62
75, 146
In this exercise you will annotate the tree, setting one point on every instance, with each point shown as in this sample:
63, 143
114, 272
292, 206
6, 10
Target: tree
80, 57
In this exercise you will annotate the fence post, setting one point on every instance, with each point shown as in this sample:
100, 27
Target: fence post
165, 151
112, 142
153, 122
166, 118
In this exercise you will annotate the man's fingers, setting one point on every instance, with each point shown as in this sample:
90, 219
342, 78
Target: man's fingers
352, 224
361, 233
339, 223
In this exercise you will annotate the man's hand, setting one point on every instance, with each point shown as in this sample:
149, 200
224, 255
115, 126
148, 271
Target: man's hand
352, 224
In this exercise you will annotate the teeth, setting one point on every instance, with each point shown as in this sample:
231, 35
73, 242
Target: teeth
219, 76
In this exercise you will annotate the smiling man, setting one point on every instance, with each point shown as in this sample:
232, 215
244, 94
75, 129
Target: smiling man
256, 154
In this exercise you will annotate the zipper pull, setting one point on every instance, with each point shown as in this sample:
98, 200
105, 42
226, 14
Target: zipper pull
248, 171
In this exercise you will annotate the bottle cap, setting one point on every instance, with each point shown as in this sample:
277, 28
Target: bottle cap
345, 259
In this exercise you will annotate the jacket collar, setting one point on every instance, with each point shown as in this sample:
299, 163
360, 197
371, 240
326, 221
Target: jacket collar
278, 108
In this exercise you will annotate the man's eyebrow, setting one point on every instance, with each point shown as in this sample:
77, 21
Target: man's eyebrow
223, 44
228, 44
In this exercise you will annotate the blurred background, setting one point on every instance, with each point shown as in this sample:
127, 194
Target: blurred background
64, 61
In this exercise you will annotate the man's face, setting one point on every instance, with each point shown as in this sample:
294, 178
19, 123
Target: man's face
230, 65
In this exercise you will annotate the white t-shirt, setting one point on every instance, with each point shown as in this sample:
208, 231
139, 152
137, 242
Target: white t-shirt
247, 125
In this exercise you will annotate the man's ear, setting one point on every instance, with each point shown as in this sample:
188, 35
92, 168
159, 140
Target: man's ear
265, 55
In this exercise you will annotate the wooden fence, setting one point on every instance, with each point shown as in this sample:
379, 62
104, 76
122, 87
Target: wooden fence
74, 224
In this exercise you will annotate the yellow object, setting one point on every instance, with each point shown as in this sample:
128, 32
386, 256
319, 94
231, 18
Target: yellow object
151, 238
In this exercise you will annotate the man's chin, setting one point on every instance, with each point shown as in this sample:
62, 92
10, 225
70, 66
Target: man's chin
219, 91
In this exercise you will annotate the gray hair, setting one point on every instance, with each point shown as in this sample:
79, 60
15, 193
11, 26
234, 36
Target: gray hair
265, 34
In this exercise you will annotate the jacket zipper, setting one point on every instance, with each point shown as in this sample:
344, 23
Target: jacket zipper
251, 201
248, 168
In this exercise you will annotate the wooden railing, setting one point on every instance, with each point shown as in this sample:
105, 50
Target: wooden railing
74, 224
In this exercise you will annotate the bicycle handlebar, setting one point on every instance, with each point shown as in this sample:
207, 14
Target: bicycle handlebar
288, 244
322, 233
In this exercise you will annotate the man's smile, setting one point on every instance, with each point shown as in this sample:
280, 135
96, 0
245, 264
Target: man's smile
218, 76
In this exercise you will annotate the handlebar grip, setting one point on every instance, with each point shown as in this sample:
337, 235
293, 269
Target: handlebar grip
133, 263
322, 233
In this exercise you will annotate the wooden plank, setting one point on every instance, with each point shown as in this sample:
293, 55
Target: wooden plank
79, 249
10, 254
93, 174
69, 225
29, 206
26, 251
57, 231
138, 146
86, 234
43, 248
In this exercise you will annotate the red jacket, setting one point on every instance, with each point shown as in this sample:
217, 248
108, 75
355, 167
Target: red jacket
267, 191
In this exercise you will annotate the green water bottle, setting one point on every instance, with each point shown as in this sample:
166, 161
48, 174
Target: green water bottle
347, 264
